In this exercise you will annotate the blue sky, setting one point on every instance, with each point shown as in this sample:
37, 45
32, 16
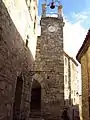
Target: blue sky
76, 15
70, 7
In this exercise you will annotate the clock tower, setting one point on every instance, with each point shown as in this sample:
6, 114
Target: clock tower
49, 68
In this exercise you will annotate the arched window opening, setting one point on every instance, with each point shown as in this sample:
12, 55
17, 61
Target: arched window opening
35, 96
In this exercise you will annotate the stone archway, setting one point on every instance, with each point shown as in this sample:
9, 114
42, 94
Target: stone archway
35, 96
18, 94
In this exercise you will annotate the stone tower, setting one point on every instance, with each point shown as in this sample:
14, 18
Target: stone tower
48, 79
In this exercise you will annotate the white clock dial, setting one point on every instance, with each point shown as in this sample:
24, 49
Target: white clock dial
51, 28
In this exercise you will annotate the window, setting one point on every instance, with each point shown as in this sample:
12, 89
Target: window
34, 25
34, 7
74, 100
27, 41
35, 17
65, 61
47, 77
29, 7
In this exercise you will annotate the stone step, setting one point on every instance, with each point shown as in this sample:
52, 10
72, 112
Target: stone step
36, 115
36, 119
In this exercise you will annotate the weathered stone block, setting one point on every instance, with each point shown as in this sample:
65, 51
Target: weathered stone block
15, 59
49, 63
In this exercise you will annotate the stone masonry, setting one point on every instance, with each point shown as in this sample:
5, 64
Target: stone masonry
83, 57
85, 61
15, 65
49, 68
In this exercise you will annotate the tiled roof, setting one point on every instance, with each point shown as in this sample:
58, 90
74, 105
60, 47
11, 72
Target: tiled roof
71, 58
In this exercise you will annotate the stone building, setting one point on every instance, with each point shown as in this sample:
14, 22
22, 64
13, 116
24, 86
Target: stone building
48, 79
70, 81
17, 53
83, 56
71, 94
31, 71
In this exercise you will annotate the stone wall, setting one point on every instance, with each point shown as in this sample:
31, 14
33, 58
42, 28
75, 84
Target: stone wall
70, 81
15, 60
74, 83
85, 70
24, 16
49, 68
66, 80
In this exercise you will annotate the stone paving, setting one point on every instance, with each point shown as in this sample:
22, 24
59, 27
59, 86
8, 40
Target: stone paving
36, 119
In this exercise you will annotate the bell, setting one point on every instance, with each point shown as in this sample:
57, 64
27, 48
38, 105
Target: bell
52, 6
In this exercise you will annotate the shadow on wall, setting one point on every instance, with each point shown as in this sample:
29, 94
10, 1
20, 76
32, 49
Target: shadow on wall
72, 111
15, 58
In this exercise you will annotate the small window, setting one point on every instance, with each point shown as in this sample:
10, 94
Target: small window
64, 102
65, 61
34, 25
34, 7
47, 77
35, 17
74, 100
29, 7
27, 41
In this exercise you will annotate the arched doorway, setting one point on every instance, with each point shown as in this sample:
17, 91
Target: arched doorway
35, 96
17, 102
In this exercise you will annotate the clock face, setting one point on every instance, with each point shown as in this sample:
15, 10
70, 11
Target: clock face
52, 28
